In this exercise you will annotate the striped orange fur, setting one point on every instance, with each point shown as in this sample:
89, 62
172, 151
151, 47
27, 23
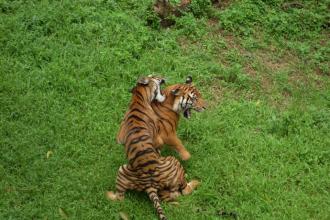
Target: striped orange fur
163, 178
180, 98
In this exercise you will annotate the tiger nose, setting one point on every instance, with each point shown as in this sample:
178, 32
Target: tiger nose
162, 81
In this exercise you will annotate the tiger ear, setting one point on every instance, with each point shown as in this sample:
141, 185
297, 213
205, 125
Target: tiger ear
176, 92
189, 80
143, 80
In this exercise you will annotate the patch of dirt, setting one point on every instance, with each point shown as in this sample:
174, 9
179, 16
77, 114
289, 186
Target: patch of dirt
322, 73
184, 43
301, 80
261, 65
232, 43
165, 10
267, 58
222, 4
318, 71
282, 103
213, 22
296, 79
217, 93
266, 84
250, 71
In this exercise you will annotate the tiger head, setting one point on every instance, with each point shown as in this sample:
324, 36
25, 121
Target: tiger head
186, 98
152, 87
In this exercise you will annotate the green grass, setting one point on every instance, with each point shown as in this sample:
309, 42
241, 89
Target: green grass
261, 149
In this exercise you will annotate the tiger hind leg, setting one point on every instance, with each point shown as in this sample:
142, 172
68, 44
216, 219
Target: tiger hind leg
123, 183
171, 195
179, 182
168, 196
190, 187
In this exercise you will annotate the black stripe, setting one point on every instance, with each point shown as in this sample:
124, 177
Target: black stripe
141, 112
138, 139
148, 163
141, 153
146, 91
161, 109
169, 176
129, 123
132, 149
155, 93
120, 182
168, 121
134, 130
183, 107
134, 141
140, 104
139, 95
164, 127
134, 117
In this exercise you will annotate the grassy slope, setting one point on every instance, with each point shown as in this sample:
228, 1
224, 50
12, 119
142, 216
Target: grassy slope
261, 149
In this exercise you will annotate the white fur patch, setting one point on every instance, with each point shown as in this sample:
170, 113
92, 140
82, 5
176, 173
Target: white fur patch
177, 104
159, 97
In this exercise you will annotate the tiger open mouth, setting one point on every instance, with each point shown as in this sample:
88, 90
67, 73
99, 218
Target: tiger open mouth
187, 113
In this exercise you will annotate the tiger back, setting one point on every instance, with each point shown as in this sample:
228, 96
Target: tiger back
138, 129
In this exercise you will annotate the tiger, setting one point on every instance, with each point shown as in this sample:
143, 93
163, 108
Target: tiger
162, 178
179, 98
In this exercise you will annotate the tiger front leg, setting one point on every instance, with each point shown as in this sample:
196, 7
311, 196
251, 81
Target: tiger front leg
122, 184
177, 145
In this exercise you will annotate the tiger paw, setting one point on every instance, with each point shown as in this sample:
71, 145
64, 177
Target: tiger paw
194, 184
113, 196
190, 187
174, 203
185, 155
